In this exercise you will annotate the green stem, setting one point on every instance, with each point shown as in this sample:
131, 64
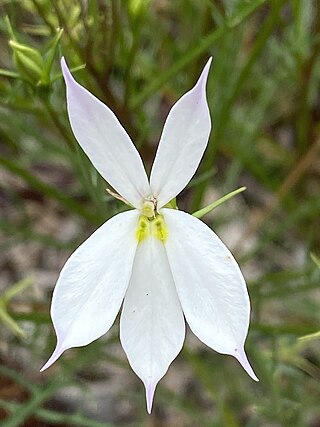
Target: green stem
59, 126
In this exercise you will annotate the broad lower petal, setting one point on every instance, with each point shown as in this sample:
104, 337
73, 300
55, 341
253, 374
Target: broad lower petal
92, 284
152, 327
183, 141
210, 285
105, 142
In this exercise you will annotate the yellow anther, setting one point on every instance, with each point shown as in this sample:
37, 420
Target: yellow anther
154, 226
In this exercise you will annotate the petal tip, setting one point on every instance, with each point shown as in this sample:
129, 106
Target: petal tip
65, 70
54, 357
208, 64
241, 356
150, 389
204, 75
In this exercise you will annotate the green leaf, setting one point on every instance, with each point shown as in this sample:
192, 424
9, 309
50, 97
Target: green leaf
51, 54
72, 69
48, 190
16, 289
315, 259
9, 322
172, 204
194, 52
5, 298
241, 10
201, 212
9, 73
310, 337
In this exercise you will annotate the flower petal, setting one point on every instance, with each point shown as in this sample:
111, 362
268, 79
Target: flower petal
152, 327
210, 285
183, 141
92, 284
105, 142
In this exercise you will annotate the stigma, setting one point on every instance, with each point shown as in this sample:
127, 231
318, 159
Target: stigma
149, 207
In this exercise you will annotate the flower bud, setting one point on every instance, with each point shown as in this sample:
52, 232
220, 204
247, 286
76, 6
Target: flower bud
137, 7
28, 61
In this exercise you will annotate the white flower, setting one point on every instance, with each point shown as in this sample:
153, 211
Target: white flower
160, 262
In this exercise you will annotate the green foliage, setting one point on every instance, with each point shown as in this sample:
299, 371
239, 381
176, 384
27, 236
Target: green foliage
204, 211
139, 57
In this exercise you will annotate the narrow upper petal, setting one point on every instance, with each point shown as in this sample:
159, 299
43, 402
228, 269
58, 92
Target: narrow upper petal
210, 285
183, 141
92, 284
152, 327
105, 142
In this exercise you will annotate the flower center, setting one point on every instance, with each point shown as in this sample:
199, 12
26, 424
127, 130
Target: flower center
149, 208
151, 223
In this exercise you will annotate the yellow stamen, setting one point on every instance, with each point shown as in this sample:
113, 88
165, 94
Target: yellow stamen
154, 226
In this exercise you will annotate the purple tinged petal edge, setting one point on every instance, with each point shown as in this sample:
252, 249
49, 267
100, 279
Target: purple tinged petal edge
241, 356
150, 389
54, 357
165, 182
65, 70
202, 81
122, 168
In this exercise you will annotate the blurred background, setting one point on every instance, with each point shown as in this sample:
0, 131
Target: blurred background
139, 57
